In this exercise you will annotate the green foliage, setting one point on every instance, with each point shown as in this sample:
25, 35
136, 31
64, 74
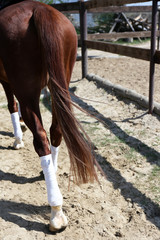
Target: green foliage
104, 20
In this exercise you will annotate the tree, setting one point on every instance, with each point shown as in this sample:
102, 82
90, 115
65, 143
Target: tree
104, 20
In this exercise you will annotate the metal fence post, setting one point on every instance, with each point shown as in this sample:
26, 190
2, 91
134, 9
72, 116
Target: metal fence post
83, 30
153, 50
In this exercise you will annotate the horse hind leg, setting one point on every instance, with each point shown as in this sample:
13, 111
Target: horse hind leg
41, 144
58, 219
28, 97
13, 109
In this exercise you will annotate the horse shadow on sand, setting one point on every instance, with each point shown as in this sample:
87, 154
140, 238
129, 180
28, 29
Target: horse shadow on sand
5, 176
128, 191
6, 134
11, 211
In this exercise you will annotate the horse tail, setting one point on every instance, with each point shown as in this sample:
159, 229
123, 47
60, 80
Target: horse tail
59, 42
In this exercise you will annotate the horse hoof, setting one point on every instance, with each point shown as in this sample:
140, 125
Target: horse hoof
58, 220
18, 144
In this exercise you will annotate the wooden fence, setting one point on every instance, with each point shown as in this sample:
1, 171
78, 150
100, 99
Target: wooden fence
151, 55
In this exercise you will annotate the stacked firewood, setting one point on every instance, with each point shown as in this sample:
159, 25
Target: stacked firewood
125, 24
140, 24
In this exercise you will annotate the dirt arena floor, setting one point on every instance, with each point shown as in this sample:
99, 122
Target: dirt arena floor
125, 205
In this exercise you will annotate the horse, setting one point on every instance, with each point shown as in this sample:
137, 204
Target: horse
38, 48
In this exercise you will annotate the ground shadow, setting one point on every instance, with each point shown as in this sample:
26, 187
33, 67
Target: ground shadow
9, 134
128, 191
10, 211
6, 148
151, 155
19, 179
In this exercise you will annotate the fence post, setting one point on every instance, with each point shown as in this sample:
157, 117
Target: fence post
153, 50
83, 30
158, 38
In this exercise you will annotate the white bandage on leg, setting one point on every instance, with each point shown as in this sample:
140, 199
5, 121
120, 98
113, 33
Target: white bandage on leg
17, 131
16, 125
54, 152
53, 192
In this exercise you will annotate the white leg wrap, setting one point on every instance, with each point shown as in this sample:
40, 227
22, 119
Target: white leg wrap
16, 125
54, 152
53, 192
17, 131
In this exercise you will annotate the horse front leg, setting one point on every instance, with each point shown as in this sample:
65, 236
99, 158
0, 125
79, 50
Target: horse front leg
13, 109
32, 117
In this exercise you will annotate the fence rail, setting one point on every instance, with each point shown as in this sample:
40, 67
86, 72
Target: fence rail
75, 7
118, 35
104, 3
115, 9
134, 52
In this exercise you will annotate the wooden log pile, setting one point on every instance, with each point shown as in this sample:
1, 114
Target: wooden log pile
140, 24
123, 23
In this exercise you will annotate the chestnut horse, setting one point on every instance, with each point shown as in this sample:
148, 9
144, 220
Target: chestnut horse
38, 47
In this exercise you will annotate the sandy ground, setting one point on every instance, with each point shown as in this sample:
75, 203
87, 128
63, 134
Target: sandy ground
125, 205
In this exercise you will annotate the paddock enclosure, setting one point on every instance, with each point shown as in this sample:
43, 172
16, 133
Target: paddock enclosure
126, 140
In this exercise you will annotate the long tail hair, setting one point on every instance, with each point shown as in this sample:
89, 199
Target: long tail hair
51, 37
